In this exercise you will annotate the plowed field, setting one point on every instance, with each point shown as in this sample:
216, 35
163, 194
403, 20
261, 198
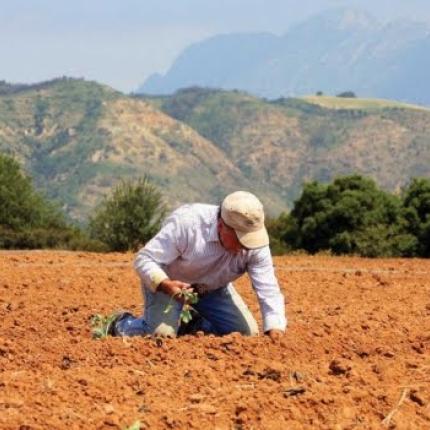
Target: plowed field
356, 354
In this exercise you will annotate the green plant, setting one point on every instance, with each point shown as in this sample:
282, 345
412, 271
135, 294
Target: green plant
189, 298
135, 426
129, 217
101, 325
28, 220
347, 94
416, 213
349, 216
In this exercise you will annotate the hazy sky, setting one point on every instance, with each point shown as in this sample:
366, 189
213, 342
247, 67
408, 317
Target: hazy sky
121, 42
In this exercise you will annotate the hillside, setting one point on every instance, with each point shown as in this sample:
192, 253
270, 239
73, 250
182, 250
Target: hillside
335, 51
285, 142
368, 105
77, 139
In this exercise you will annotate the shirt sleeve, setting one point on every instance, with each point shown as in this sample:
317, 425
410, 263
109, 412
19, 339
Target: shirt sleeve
265, 284
166, 246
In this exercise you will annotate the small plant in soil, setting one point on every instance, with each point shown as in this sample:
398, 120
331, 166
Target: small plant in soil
134, 426
100, 325
189, 298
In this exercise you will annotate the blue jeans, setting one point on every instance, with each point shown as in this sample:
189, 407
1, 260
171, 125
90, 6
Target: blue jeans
223, 311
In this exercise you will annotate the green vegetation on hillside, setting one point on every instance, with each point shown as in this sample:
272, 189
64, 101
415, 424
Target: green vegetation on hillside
353, 216
215, 114
78, 139
124, 221
129, 217
280, 144
28, 220
52, 128
416, 204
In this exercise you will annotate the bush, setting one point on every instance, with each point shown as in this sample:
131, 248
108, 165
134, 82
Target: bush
351, 215
40, 238
129, 217
276, 228
20, 205
29, 221
347, 94
416, 207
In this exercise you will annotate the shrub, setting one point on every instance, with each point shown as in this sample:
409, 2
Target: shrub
416, 206
347, 94
129, 217
351, 215
277, 228
21, 207
29, 221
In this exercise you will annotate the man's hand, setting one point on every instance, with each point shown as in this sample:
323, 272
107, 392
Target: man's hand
274, 334
173, 288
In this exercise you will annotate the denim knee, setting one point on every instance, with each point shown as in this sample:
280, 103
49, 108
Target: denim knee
251, 329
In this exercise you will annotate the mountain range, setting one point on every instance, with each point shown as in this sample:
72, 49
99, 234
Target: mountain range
335, 51
77, 139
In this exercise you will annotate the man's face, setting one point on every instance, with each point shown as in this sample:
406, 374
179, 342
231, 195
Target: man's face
228, 238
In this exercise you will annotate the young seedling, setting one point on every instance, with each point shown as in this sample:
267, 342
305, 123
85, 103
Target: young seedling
189, 298
134, 426
100, 325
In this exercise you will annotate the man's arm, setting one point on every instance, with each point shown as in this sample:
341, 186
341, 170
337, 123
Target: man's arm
272, 304
166, 246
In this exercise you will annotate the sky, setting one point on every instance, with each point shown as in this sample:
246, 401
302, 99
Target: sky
122, 42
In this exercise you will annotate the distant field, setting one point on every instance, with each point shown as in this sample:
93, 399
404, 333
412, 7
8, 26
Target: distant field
358, 103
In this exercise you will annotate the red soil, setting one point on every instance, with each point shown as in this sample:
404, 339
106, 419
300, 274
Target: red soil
356, 354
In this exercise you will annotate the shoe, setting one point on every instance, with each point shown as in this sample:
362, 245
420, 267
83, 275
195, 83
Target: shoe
103, 326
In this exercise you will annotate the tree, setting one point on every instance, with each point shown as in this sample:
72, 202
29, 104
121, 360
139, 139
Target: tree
129, 217
347, 94
351, 215
277, 228
416, 204
28, 220
21, 207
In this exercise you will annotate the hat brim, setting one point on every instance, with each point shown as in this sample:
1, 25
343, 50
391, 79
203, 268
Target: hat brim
253, 239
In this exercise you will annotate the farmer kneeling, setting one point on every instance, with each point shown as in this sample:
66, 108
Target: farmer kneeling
202, 248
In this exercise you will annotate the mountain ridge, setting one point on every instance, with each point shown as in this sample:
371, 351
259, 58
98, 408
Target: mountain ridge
337, 50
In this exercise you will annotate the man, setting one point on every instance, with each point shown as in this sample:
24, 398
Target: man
203, 248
